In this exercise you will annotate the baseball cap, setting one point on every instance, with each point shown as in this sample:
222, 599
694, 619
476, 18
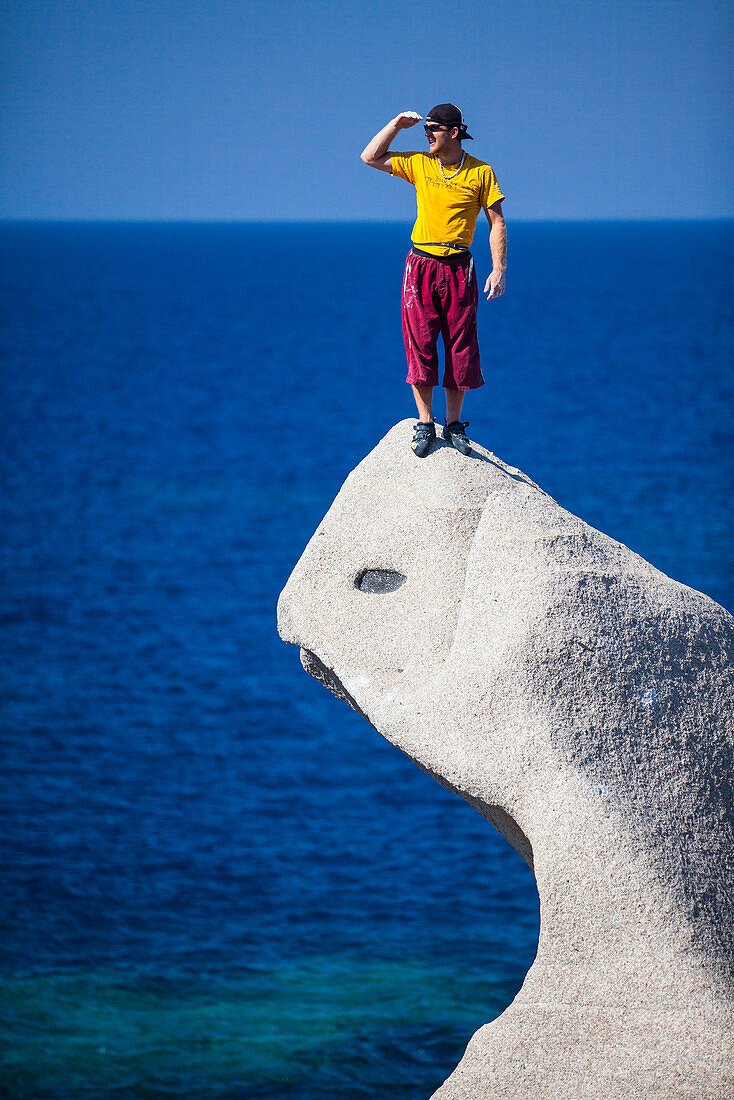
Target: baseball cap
448, 114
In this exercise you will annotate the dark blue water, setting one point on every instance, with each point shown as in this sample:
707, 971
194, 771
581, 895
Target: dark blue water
218, 881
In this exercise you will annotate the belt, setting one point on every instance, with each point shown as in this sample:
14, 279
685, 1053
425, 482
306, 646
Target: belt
462, 255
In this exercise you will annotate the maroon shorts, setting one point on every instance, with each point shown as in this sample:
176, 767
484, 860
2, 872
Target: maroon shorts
440, 297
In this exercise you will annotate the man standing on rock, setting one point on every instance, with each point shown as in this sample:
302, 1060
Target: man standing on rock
440, 292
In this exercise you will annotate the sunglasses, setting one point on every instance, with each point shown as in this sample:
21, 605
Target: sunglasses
433, 127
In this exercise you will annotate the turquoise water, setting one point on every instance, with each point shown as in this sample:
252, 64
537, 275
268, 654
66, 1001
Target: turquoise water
117, 1033
219, 881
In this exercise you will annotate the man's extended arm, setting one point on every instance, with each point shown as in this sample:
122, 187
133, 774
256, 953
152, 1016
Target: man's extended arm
376, 154
495, 284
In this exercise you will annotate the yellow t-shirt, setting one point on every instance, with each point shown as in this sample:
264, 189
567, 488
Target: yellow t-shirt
447, 208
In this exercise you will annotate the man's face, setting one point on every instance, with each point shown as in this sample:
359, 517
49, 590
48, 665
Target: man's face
439, 139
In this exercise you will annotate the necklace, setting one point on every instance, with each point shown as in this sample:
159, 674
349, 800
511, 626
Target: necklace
461, 165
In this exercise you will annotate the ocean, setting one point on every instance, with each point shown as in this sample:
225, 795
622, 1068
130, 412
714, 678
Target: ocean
218, 881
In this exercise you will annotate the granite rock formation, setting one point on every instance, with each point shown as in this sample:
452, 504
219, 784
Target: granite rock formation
582, 701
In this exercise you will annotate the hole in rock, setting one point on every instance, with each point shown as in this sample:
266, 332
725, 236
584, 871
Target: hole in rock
379, 580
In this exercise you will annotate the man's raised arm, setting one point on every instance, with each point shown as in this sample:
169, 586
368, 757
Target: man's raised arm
376, 154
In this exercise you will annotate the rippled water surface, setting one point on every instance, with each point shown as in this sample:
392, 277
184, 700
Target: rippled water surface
219, 881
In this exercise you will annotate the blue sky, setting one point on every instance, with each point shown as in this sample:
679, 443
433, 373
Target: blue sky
229, 109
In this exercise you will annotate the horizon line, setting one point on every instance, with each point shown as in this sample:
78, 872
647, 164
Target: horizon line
343, 221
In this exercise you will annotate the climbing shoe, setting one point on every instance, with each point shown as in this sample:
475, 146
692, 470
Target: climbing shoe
454, 434
423, 437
